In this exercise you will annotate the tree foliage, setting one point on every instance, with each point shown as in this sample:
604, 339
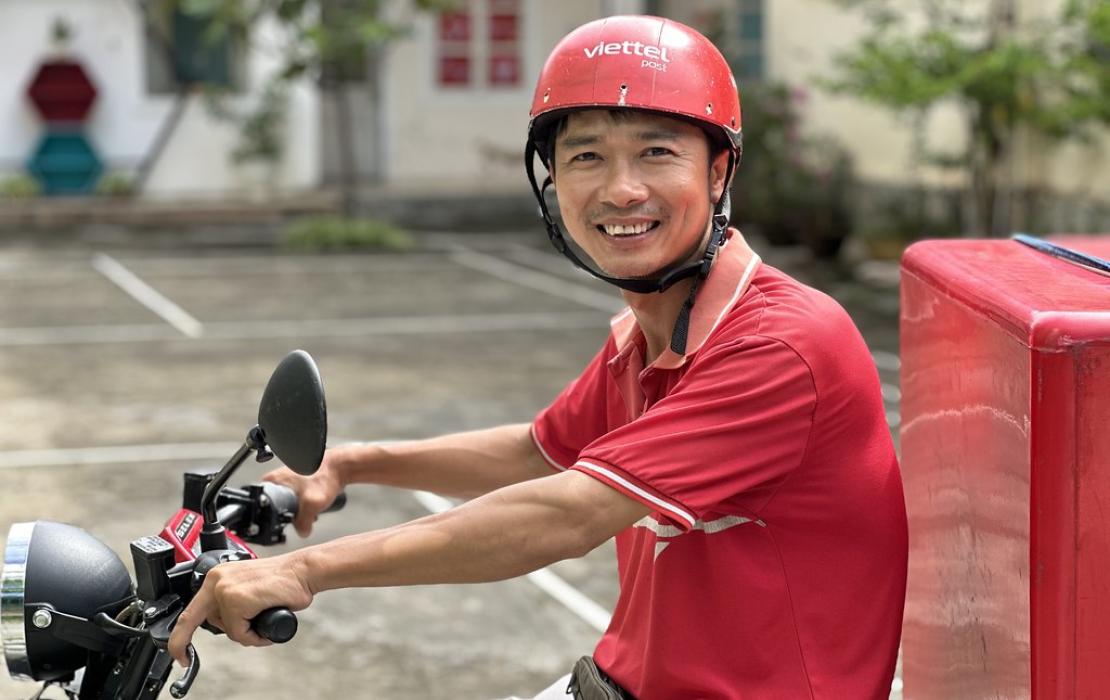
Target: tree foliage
315, 33
1049, 77
334, 42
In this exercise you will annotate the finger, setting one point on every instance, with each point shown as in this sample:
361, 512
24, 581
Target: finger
281, 475
187, 622
242, 633
303, 523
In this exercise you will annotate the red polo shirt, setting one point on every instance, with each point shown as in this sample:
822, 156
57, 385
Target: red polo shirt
774, 563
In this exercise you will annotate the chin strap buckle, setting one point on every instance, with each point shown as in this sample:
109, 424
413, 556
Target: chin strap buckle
720, 225
707, 259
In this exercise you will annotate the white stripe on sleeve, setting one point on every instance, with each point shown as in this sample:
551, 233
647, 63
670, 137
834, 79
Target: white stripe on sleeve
543, 452
637, 490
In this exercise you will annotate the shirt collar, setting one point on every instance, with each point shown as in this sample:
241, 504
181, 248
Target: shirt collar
729, 278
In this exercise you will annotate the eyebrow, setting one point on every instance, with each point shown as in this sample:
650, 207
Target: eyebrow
656, 134
583, 140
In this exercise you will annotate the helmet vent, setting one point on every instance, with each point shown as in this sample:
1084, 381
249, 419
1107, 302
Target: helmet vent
732, 122
624, 93
547, 95
709, 108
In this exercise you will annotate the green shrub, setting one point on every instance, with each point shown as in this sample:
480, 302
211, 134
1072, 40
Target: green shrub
20, 187
338, 233
115, 185
792, 186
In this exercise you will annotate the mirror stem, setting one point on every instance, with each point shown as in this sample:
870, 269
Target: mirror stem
212, 535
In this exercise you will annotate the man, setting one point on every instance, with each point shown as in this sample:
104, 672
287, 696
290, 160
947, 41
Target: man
730, 433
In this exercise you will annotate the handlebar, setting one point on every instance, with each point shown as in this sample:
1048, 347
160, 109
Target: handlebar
338, 504
258, 513
284, 500
278, 625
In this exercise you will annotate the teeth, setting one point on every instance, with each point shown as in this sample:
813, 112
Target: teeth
617, 230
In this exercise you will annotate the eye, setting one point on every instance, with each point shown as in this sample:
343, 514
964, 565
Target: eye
584, 157
658, 151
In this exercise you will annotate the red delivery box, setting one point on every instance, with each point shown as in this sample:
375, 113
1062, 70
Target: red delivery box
1005, 442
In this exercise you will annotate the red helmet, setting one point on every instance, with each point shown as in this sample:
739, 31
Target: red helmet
638, 62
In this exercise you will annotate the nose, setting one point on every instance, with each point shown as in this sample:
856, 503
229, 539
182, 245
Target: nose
624, 187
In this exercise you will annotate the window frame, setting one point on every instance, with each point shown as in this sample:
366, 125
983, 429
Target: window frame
482, 48
161, 52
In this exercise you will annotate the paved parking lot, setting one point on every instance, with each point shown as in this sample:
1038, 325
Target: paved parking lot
122, 368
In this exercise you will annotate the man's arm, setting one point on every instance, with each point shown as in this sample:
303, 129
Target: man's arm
463, 465
506, 533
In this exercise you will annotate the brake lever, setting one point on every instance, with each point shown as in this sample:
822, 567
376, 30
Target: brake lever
181, 686
161, 616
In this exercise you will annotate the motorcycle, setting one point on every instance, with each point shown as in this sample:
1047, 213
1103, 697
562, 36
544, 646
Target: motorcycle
70, 615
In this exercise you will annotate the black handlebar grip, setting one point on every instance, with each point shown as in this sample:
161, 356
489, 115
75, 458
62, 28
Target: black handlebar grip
338, 503
285, 499
279, 625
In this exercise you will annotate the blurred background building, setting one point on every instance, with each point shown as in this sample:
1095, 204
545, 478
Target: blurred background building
421, 117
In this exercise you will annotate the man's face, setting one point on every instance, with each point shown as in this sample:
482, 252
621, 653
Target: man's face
636, 193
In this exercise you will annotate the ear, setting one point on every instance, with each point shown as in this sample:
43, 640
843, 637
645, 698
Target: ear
549, 165
717, 169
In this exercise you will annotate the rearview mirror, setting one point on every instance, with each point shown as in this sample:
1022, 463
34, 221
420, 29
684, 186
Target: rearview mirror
292, 414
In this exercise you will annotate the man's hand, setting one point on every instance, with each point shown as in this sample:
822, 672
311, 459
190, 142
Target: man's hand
234, 593
314, 493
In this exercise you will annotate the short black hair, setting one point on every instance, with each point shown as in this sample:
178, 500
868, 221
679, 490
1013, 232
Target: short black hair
545, 134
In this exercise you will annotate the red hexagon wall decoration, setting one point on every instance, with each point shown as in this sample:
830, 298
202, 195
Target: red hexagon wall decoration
62, 91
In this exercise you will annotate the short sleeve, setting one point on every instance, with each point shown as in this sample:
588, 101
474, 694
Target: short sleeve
740, 418
577, 416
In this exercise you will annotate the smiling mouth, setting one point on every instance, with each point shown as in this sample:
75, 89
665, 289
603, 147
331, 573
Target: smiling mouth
617, 230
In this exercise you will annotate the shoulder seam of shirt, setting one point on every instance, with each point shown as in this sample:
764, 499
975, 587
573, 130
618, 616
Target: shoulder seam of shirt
722, 325
763, 306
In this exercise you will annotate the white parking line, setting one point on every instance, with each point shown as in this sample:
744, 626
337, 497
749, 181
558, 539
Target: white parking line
77, 335
147, 295
550, 261
893, 419
243, 265
886, 360
546, 580
891, 393
533, 279
253, 330
124, 454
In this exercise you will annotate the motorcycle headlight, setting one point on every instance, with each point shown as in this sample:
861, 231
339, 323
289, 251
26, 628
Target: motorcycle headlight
48, 563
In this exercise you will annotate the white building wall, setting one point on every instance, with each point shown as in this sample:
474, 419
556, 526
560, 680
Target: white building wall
803, 36
107, 38
802, 39
469, 138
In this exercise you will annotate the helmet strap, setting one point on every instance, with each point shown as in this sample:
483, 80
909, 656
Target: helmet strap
660, 282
